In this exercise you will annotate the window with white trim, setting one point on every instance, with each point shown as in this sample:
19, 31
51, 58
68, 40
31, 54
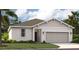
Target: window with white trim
22, 32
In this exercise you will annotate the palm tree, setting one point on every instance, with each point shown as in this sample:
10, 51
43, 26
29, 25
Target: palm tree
0, 25
4, 20
74, 21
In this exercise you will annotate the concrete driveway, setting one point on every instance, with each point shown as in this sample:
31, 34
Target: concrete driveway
67, 45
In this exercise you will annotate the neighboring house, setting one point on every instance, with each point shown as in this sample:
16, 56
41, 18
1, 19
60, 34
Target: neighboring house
53, 30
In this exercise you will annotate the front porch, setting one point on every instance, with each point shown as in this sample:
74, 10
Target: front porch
37, 34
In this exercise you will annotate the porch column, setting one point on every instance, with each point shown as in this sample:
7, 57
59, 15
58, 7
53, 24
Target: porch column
70, 36
33, 34
43, 37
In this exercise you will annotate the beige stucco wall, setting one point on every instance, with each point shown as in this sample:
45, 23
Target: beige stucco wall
10, 34
51, 26
54, 26
16, 34
53, 23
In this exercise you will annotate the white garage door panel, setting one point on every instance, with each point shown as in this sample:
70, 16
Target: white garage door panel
57, 37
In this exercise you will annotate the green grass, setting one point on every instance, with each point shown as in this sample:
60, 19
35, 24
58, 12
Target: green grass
27, 46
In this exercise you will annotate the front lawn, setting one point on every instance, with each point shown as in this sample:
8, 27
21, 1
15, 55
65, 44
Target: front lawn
28, 46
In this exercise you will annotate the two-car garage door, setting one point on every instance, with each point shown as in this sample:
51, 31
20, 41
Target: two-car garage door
57, 37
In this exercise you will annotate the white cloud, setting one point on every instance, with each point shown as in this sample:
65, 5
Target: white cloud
47, 14
59, 14
44, 14
19, 12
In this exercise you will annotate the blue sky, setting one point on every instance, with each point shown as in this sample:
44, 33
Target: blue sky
45, 14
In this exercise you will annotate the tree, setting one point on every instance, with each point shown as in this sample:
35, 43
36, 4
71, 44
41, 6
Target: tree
73, 20
0, 26
4, 20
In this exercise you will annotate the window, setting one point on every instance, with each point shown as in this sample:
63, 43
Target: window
22, 32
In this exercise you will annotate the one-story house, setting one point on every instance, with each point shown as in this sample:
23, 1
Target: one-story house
51, 31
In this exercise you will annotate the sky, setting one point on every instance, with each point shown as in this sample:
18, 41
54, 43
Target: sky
44, 14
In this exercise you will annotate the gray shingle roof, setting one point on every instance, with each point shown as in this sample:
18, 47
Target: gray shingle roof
29, 23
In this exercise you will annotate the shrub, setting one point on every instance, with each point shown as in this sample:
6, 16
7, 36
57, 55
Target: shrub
14, 41
44, 42
9, 41
21, 41
29, 41
5, 36
75, 38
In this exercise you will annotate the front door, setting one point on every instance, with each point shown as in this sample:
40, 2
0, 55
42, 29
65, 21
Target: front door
35, 36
